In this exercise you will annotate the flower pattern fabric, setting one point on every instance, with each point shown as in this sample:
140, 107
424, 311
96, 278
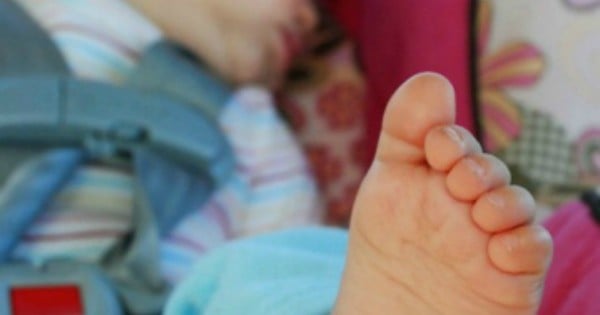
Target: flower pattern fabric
516, 64
327, 112
538, 96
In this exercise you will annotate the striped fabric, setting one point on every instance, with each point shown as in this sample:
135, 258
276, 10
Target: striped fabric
271, 189
101, 40
85, 220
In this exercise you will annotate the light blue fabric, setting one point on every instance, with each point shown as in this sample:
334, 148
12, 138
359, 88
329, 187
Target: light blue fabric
286, 273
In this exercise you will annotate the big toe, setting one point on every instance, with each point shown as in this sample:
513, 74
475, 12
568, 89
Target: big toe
424, 101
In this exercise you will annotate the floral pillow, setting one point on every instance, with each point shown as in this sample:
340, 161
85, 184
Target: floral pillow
324, 101
539, 92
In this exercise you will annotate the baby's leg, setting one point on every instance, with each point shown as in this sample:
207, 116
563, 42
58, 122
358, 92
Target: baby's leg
436, 228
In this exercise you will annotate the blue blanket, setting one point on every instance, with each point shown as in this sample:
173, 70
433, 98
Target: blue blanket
290, 272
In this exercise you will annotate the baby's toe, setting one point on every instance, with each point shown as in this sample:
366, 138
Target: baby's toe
503, 208
526, 249
446, 145
476, 174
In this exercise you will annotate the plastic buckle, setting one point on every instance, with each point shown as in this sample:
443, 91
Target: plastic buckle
116, 143
56, 288
109, 121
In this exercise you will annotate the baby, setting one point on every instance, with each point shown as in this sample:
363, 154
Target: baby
436, 227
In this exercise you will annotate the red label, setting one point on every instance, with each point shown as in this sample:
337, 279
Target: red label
46, 300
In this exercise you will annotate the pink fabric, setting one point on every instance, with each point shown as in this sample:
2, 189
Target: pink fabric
347, 13
572, 286
397, 39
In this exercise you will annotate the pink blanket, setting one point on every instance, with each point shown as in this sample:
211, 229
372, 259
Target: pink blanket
573, 283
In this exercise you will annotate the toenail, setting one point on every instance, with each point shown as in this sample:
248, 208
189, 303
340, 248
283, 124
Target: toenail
475, 167
495, 200
453, 135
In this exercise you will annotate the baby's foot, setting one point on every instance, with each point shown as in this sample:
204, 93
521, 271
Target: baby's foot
436, 228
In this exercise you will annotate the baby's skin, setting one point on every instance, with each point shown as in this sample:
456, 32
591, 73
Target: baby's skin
242, 41
436, 227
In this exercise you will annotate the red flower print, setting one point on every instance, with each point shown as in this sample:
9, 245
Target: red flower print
326, 167
341, 105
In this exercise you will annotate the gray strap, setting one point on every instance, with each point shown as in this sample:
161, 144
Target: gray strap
25, 48
165, 69
28, 191
165, 190
133, 265
68, 112
164, 193
12, 158
178, 153
171, 190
